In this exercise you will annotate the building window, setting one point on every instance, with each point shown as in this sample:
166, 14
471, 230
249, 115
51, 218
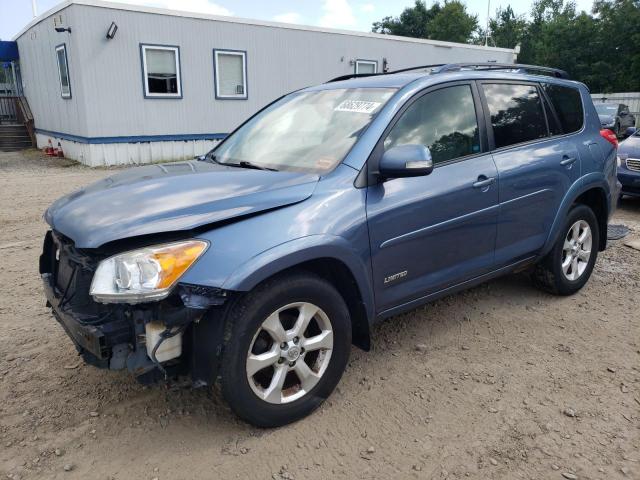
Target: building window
63, 71
161, 71
366, 66
230, 72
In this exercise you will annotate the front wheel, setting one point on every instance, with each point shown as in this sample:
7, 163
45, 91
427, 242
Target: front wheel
569, 264
289, 345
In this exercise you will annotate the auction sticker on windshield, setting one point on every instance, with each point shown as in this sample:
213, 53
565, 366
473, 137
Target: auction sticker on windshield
357, 106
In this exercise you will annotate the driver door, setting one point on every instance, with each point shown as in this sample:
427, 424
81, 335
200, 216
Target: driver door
432, 232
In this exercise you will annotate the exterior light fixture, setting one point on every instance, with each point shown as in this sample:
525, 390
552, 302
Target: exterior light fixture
62, 29
111, 32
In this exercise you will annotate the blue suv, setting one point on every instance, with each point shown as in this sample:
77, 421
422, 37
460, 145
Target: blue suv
337, 206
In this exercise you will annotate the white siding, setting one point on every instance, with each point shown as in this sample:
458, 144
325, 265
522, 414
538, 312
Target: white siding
106, 76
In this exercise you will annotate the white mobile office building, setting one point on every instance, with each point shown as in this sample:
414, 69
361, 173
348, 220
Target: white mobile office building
119, 84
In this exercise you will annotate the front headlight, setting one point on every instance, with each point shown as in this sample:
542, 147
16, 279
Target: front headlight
144, 275
622, 158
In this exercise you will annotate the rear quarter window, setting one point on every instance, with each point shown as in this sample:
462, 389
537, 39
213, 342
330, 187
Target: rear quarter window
568, 106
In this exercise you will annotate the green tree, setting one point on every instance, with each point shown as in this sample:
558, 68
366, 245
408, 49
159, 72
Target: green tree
412, 22
453, 23
449, 22
600, 48
560, 37
507, 29
618, 44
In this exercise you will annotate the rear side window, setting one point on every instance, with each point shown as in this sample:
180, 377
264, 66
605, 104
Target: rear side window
568, 106
516, 113
443, 120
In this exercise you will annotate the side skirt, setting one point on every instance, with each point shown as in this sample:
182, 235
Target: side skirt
454, 288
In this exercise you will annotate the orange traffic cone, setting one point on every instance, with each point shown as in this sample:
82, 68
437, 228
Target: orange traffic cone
60, 152
49, 149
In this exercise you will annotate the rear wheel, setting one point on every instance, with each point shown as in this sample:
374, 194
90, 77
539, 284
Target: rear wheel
289, 345
569, 264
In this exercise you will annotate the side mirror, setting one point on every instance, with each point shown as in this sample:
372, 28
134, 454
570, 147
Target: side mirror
406, 161
200, 158
630, 131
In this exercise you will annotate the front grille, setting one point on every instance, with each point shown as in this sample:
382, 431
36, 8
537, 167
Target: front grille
94, 327
72, 272
633, 164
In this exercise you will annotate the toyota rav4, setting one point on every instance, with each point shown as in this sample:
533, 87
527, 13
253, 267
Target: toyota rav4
259, 264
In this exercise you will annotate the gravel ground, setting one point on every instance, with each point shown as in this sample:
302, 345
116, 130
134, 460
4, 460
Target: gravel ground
499, 382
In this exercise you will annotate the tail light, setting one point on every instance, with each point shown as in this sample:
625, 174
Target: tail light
609, 136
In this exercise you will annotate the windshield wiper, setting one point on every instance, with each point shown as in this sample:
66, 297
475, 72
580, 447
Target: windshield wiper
246, 164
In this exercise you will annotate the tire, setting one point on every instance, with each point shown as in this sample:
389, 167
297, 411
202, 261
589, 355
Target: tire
282, 300
549, 275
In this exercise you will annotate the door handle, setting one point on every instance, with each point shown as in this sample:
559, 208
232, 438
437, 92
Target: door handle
483, 182
566, 160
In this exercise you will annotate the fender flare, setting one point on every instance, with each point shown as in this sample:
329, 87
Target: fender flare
298, 251
588, 182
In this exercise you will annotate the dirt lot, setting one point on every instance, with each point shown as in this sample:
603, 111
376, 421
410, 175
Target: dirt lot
510, 382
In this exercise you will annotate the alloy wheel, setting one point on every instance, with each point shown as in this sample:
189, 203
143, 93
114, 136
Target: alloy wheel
576, 250
289, 353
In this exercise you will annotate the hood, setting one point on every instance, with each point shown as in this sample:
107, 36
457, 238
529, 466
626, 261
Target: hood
630, 146
606, 119
171, 197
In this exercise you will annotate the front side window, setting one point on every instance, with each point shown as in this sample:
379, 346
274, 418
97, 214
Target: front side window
568, 106
366, 66
230, 74
444, 121
63, 71
161, 71
516, 113
305, 131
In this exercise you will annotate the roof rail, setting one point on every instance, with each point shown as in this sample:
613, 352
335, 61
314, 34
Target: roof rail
555, 72
419, 67
453, 67
353, 75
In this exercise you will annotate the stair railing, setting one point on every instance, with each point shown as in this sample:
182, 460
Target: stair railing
24, 115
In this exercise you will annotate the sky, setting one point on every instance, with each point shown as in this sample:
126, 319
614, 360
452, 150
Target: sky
346, 14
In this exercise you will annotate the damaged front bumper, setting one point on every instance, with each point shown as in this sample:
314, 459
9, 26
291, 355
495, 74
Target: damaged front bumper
114, 336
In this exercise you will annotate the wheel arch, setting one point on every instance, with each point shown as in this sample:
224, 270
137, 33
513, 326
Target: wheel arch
596, 199
592, 194
326, 256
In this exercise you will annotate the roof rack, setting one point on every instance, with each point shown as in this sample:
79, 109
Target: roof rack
453, 67
359, 75
419, 67
353, 75
555, 72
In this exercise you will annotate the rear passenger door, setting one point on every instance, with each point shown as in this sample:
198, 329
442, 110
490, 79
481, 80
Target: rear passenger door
537, 162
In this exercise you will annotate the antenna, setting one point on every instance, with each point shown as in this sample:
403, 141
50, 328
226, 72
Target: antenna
486, 32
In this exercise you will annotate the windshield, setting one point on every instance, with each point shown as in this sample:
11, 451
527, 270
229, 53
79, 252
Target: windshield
306, 132
606, 109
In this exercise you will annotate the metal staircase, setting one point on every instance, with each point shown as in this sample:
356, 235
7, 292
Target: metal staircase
14, 137
16, 124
